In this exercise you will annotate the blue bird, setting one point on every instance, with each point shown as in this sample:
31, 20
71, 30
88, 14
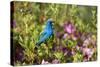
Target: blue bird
47, 33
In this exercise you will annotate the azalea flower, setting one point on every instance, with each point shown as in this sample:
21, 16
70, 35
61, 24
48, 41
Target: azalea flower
65, 36
69, 28
68, 36
55, 61
86, 42
45, 62
89, 41
83, 37
87, 53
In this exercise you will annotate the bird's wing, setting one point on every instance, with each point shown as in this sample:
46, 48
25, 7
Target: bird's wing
42, 35
40, 39
43, 39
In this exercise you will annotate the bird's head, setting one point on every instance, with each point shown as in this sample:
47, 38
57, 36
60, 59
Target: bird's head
49, 22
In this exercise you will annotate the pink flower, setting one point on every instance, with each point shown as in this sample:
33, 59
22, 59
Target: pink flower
55, 61
86, 42
65, 36
44, 62
89, 41
69, 28
87, 52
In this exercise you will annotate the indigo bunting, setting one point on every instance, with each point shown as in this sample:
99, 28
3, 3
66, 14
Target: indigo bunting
47, 33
